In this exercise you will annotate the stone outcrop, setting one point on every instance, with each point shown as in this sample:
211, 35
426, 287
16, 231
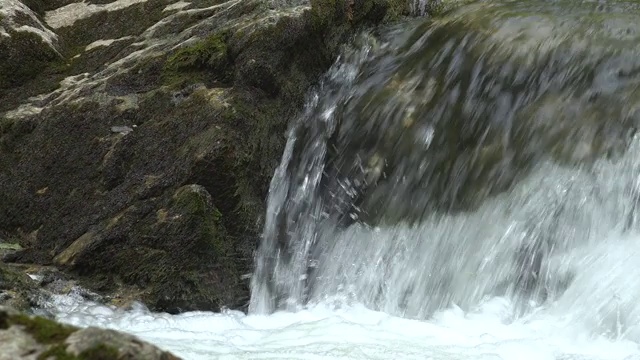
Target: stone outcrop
138, 138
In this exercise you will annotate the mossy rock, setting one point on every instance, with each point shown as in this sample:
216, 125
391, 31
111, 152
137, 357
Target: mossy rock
210, 53
43, 330
194, 201
100, 352
205, 60
129, 21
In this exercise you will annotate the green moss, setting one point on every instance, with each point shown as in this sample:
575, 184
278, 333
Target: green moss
324, 12
43, 330
57, 352
206, 53
15, 283
194, 202
100, 352
197, 204
9, 276
208, 58
397, 9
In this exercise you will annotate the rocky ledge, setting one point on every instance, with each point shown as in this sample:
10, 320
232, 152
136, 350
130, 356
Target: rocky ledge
138, 138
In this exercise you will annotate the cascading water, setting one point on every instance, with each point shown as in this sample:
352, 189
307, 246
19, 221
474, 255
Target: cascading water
419, 7
460, 158
463, 187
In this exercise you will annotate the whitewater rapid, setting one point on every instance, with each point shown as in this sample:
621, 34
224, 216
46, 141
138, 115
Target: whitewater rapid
322, 331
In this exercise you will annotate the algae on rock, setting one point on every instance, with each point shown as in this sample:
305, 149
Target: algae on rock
205, 59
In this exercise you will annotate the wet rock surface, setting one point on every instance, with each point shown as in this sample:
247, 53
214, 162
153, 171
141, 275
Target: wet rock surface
452, 111
136, 152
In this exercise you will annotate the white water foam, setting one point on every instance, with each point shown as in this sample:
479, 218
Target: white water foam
322, 331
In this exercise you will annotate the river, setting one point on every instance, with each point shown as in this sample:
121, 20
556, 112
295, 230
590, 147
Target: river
463, 187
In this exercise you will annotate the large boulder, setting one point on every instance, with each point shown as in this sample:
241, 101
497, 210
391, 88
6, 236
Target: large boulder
140, 161
459, 108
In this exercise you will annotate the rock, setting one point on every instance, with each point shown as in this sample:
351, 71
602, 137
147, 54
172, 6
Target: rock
170, 212
7, 247
463, 105
17, 289
124, 130
30, 288
28, 46
25, 337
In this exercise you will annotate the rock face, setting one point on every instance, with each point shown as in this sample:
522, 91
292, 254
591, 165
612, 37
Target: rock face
26, 43
24, 337
138, 138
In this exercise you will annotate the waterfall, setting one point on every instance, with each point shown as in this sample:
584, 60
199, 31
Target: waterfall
478, 154
462, 186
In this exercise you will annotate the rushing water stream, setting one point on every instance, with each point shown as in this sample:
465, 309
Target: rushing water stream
458, 188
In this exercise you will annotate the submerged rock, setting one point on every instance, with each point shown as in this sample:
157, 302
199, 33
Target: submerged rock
26, 337
462, 106
170, 212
